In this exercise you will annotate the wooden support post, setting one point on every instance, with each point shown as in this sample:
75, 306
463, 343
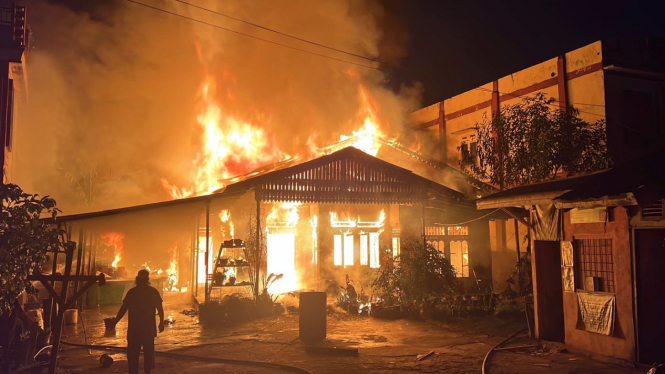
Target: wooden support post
519, 262
422, 221
257, 267
207, 253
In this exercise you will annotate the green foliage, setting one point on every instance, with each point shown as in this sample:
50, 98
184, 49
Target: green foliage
530, 142
421, 273
25, 240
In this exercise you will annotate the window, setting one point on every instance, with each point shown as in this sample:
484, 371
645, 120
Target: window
364, 249
459, 257
396, 247
349, 253
337, 250
593, 258
374, 250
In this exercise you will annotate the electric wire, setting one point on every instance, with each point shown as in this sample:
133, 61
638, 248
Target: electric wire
464, 223
288, 35
550, 104
252, 36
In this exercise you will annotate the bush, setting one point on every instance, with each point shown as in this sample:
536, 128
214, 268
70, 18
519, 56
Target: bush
421, 274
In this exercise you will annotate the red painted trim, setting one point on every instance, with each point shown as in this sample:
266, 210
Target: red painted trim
468, 110
530, 89
584, 71
561, 82
526, 90
423, 126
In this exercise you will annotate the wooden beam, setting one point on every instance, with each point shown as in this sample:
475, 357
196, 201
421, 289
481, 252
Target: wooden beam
521, 220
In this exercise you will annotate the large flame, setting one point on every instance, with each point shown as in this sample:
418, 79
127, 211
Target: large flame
281, 259
225, 218
172, 272
284, 214
115, 240
230, 147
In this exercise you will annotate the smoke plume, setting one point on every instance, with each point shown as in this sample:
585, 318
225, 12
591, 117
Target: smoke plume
114, 88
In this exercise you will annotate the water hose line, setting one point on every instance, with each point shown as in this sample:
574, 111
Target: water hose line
485, 360
229, 361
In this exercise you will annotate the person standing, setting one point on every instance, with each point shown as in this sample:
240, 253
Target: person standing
141, 302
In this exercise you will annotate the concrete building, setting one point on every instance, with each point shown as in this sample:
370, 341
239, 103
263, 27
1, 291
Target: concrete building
622, 83
14, 35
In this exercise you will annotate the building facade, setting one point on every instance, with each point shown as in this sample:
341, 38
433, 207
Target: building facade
14, 35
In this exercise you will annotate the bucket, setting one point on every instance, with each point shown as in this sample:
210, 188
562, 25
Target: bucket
109, 323
71, 316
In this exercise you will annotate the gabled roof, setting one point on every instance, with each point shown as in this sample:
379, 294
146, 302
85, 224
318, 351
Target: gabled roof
368, 180
348, 175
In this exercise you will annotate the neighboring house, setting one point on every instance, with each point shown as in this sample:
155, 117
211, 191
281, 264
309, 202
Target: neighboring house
621, 82
14, 35
598, 258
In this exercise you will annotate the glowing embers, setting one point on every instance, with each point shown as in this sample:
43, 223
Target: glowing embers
282, 260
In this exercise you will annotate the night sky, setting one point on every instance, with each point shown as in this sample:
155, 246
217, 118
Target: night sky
454, 46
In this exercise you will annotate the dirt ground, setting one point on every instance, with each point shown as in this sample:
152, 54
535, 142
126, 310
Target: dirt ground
458, 346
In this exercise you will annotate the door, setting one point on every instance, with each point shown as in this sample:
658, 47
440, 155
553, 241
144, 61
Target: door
649, 279
549, 290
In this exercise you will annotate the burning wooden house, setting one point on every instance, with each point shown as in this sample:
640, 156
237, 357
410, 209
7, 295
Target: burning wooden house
346, 212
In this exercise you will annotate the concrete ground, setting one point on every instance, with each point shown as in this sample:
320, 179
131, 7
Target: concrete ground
384, 347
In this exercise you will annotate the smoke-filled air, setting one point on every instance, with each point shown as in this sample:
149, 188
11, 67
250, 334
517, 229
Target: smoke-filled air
129, 105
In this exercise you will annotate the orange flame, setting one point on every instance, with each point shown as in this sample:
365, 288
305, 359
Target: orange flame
284, 214
172, 272
225, 217
230, 147
115, 240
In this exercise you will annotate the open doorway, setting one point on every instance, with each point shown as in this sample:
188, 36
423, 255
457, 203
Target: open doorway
649, 279
549, 290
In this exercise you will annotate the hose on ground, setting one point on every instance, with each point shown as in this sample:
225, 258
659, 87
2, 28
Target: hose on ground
229, 361
485, 360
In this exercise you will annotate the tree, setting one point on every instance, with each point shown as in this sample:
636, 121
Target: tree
530, 142
25, 240
420, 272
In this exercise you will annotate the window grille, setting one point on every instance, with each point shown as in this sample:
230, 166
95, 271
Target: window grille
593, 258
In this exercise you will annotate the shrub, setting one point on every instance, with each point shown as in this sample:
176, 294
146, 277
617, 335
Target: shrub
420, 274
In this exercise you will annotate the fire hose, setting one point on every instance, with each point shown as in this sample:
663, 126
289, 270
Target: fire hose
485, 360
180, 356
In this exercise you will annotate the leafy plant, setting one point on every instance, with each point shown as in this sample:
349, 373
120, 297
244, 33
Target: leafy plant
25, 240
420, 274
530, 142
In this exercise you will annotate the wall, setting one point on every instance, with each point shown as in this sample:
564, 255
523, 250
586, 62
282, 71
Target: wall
447, 124
633, 130
622, 344
504, 252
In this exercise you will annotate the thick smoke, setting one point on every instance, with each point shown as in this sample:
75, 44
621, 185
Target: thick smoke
114, 88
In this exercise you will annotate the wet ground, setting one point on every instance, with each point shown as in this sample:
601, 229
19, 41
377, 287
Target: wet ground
384, 346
